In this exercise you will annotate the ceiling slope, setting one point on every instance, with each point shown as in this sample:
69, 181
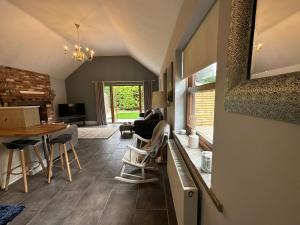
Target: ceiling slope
27, 44
145, 26
35, 31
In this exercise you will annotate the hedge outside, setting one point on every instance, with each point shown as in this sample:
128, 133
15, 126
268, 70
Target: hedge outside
126, 97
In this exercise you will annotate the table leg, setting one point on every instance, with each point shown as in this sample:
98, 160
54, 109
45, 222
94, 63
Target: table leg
46, 148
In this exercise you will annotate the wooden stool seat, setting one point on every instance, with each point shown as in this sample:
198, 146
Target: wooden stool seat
62, 140
20, 145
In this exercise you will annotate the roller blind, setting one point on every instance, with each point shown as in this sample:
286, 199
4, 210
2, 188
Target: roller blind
201, 51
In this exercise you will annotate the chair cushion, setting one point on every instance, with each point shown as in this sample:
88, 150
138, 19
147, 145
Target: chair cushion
20, 144
26, 142
133, 157
61, 139
13, 146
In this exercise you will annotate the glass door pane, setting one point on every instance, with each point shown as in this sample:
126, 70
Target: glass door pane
126, 102
204, 108
142, 99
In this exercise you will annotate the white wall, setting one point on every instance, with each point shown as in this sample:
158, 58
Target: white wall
58, 85
191, 14
256, 161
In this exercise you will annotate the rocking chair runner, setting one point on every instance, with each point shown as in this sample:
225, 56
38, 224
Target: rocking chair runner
142, 157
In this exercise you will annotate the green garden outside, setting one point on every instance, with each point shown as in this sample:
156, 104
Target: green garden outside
127, 102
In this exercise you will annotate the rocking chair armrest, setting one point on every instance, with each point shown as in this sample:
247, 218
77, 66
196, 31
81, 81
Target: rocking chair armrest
142, 139
140, 151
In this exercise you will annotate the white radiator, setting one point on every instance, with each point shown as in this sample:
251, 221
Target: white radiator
183, 188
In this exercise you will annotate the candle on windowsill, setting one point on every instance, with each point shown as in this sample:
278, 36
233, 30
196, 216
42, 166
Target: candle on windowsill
193, 137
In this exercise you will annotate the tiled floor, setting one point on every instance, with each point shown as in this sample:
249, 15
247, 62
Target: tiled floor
94, 197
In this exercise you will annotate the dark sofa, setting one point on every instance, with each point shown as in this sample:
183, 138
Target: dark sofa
145, 127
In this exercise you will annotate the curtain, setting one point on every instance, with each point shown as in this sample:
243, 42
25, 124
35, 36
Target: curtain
147, 94
100, 103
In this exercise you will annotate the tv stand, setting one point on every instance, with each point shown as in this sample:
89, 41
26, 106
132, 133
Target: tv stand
73, 119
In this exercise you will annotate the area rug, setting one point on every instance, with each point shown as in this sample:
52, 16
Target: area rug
9, 212
96, 132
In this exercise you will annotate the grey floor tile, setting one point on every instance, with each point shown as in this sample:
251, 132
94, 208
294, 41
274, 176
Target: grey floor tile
24, 217
83, 217
94, 196
120, 208
50, 217
151, 196
151, 217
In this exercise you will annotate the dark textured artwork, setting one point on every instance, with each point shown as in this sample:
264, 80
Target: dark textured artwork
170, 83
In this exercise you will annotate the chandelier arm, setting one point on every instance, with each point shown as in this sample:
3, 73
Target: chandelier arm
78, 54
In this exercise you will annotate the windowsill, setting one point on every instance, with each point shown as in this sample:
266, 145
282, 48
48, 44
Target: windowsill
207, 132
195, 156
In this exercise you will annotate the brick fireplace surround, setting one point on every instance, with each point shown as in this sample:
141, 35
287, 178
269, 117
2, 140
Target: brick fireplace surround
22, 88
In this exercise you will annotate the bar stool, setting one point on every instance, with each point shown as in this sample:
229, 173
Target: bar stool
20, 145
62, 140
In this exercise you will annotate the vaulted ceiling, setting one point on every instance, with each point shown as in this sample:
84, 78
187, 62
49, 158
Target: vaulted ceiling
33, 32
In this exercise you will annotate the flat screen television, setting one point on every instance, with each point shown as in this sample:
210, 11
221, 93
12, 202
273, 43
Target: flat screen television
77, 109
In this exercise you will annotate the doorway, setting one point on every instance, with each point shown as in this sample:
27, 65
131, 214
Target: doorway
123, 102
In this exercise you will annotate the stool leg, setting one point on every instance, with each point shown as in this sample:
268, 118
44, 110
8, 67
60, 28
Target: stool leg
61, 157
24, 170
75, 154
37, 154
67, 163
10, 157
50, 164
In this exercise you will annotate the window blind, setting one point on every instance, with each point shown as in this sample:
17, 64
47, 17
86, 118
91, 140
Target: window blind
201, 51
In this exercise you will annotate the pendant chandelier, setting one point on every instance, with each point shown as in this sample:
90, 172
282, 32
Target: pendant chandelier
79, 54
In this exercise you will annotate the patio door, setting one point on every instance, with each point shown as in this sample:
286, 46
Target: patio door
108, 103
123, 103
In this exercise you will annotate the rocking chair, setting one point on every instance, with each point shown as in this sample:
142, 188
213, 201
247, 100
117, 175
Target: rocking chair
143, 156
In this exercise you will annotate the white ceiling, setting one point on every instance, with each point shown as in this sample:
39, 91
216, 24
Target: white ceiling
33, 32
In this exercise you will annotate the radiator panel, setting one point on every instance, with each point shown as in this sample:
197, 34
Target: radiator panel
183, 188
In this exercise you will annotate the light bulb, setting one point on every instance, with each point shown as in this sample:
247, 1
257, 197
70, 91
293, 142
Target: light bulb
259, 46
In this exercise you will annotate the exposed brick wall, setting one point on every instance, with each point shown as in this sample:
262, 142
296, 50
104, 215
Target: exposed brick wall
13, 81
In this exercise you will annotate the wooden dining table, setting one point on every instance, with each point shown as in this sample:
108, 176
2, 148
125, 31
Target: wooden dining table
42, 130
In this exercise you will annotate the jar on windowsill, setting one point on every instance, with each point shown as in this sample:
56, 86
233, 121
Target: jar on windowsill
193, 139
